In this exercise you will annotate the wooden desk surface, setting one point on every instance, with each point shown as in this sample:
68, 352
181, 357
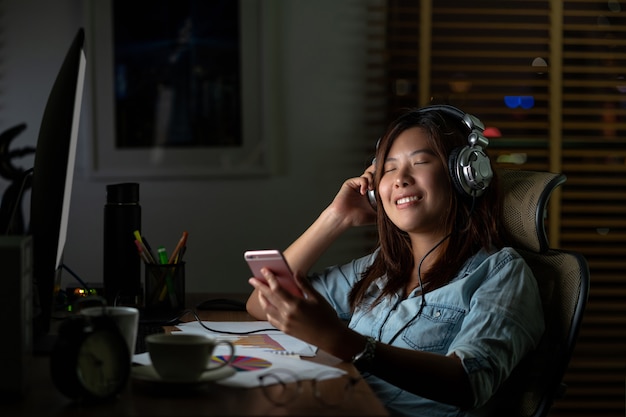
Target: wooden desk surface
150, 399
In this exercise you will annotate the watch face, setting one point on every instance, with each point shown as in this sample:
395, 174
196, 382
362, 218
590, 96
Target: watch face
103, 363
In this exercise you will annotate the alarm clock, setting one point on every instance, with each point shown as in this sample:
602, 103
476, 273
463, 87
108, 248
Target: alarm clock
90, 359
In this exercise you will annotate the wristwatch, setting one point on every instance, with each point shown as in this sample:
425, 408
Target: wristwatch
364, 358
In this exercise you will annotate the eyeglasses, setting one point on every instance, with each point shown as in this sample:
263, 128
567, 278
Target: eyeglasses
281, 386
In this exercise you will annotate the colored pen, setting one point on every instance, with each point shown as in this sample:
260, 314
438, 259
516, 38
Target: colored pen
148, 248
144, 246
141, 252
163, 259
162, 255
169, 283
179, 259
181, 243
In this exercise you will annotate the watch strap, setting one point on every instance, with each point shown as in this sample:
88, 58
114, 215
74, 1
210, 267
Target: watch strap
364, 358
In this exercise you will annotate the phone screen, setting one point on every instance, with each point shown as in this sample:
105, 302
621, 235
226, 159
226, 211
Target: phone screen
273, 260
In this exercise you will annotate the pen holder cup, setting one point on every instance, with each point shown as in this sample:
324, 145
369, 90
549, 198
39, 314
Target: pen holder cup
165, 287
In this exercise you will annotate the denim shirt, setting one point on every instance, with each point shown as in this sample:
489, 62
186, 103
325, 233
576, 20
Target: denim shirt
489, 315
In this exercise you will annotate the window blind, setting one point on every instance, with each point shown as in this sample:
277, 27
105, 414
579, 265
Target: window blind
548, 80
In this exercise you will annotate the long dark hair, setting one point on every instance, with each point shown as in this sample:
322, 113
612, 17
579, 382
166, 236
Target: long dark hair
472, 222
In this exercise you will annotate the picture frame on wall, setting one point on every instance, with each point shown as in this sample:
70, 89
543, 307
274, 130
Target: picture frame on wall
177, 89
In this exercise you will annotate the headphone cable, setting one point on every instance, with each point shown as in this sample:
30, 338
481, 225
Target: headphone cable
421, 285
423, 294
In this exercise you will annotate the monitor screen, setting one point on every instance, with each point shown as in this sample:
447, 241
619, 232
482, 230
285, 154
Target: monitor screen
53, 173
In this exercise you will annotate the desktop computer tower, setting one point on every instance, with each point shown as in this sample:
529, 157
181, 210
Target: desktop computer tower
16, 308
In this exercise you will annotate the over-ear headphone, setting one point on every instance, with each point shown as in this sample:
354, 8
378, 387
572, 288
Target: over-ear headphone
469, 166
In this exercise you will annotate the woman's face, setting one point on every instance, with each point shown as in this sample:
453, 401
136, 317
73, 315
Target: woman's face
414, 188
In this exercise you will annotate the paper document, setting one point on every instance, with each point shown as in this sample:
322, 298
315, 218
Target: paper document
265, 350
252, 334
250, 363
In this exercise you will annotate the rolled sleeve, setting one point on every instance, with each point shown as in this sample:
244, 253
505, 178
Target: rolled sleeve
505, 321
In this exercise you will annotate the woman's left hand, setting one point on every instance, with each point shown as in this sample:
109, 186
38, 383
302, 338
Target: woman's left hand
311, 319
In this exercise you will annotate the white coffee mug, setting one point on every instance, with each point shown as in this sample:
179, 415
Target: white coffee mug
184, 357
126, 318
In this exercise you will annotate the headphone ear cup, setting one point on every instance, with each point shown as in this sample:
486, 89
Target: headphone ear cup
371, 196
453, 165
470, 170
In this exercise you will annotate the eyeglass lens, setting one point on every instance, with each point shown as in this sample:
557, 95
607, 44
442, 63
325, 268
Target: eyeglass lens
280, 387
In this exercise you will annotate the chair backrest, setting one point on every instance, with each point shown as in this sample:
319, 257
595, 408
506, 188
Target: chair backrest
563, 279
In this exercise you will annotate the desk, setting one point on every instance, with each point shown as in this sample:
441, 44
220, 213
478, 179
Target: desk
142, 399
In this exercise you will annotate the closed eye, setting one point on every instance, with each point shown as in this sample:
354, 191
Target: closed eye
389, 167
424, 159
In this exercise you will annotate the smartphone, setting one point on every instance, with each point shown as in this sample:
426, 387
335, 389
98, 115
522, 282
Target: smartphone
274, 261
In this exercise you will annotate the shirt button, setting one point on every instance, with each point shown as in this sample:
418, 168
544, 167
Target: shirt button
438, 313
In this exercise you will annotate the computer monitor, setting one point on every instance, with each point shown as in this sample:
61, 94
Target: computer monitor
53, 172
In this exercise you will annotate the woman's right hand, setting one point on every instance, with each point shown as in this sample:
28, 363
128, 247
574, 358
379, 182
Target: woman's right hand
352, 203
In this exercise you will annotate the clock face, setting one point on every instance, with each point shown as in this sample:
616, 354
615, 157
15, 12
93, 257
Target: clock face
103, 363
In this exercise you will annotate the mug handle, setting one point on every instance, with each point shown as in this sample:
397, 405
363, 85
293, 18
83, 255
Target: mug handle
231, 357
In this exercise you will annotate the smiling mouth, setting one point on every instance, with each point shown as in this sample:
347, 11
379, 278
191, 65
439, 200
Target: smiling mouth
406, 200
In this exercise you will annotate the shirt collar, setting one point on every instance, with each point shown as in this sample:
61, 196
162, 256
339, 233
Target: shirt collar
468, 267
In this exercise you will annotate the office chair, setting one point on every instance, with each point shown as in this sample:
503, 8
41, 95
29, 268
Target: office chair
563, 279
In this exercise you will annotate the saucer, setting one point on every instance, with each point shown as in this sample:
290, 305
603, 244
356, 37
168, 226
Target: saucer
148, 373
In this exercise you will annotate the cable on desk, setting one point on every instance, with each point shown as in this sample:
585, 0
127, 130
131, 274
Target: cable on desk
188, 311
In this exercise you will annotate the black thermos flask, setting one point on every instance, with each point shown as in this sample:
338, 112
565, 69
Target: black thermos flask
122, 265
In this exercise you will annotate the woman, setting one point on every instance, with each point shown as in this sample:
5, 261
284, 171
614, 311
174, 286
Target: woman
442, 311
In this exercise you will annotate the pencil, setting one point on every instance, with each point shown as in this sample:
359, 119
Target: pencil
181, 243
142, 253
143, 245
149, 249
